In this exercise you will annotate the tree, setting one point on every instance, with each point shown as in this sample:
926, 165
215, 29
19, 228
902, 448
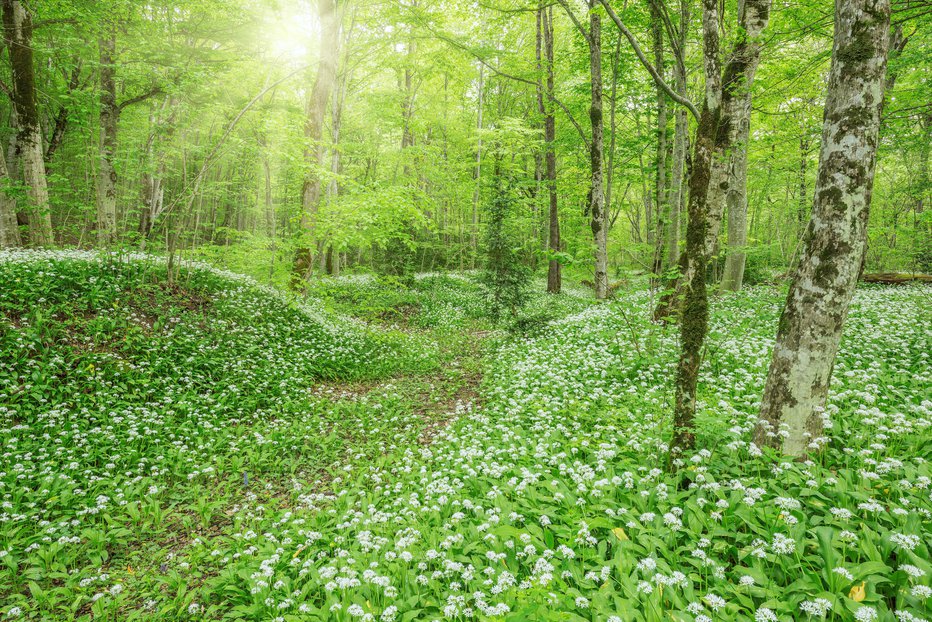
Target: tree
738, 80
109, 118
677, 198
545, 106
599, 223
313, 131
9, 228
17, 26
823, 284
661, 197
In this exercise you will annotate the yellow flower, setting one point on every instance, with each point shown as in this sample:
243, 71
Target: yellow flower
857, 593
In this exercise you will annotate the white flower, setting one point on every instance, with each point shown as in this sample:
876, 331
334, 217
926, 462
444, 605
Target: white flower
765, 615
921, 591
912, 571
844, 573
907, 541
818, 607
865, 614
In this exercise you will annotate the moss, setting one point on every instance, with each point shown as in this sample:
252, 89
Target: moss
859, 49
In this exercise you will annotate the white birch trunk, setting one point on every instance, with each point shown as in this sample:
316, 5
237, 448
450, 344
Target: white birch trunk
824, 282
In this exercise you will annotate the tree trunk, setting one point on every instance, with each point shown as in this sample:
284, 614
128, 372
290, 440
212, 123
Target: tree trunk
109, 118
17, 23
9, 227
660, 161
680, 140
597, 191
737, 206
474, 232
803, 198
823, 284
313, 131
733, 89
695, 315
545, 105
739, 78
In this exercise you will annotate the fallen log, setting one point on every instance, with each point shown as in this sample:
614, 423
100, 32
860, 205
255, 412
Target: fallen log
896, 278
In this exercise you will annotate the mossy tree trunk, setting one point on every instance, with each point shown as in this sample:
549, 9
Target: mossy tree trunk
660, 159
680, 144
695, 315
9, 228
735, 110
17, 25
834, 244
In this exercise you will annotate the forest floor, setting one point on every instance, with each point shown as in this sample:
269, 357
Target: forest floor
207, 448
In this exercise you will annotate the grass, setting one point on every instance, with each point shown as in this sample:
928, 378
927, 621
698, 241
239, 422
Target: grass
213, 450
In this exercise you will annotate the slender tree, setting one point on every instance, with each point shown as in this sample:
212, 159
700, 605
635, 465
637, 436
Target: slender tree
545, 106
680, 140
598, 223
738, 80
823, 284
313, 131
695, 314
109, 118
661, 197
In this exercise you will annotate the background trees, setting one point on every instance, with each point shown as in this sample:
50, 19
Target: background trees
115, 114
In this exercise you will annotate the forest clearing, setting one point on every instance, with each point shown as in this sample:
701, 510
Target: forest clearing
363, 311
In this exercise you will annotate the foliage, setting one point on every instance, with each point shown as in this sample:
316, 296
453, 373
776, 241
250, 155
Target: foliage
165, 458
505, 275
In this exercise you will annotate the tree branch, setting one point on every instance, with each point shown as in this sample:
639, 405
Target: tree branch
650, 68
572, 16
499, 72
672, 33
157, 90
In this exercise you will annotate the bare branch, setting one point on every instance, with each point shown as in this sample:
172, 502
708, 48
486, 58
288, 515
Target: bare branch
157, 90
650, 68
572, 16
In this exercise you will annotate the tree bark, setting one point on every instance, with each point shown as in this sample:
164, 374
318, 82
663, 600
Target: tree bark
739, 78
597, 190
9, 227
660, 160
313, 131
109, 118
474, 231
17, 23
680, 140
737, 206
545, 106
734, 104
695, 314
824, 282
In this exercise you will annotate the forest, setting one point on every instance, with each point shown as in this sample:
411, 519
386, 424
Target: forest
506, 310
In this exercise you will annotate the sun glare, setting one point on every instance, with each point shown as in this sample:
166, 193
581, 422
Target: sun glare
292, 31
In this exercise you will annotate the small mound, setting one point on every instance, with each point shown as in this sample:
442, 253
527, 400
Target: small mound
78, 328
